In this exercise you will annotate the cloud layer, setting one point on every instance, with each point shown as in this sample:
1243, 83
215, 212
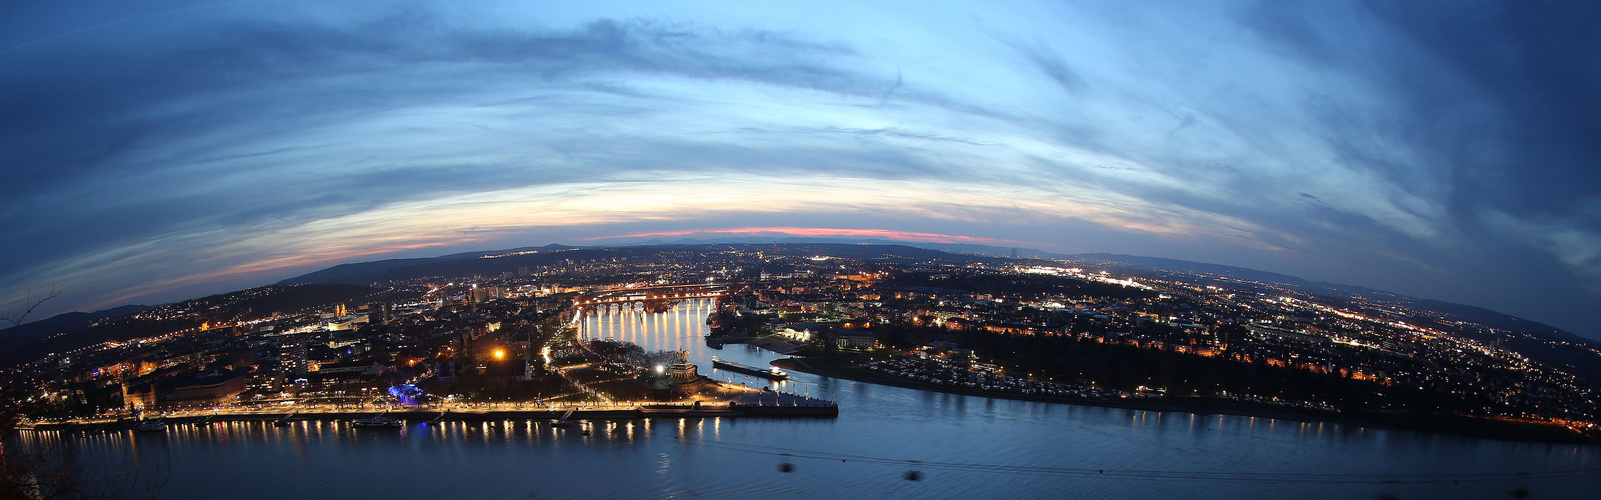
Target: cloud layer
162, 150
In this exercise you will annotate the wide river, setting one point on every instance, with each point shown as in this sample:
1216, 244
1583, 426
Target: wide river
959, 447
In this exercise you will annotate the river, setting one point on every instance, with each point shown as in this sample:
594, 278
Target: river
958, 447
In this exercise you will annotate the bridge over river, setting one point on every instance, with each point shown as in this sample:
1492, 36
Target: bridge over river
650, 299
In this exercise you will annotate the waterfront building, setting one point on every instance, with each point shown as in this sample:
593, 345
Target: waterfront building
854, 339
205, 387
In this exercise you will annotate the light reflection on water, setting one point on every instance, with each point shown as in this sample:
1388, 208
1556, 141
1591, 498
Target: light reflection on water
965, 446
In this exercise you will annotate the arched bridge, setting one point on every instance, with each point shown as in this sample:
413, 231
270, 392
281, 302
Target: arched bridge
651, 294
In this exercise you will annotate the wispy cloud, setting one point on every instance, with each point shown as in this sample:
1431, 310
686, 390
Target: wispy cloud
203, 148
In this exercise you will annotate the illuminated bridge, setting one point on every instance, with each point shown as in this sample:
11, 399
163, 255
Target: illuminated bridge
653, 294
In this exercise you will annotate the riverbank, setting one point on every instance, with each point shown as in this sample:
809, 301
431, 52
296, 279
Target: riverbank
1440, 424
597, 412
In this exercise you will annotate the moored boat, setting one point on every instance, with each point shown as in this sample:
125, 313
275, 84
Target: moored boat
772, 373
562, 422
378, 421
152, 425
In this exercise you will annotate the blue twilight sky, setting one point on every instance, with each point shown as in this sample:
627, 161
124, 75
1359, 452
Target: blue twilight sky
154, 151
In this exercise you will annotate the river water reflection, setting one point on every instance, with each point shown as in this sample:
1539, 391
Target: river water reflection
961, 447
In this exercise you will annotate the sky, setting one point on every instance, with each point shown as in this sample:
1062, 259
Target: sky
156, 151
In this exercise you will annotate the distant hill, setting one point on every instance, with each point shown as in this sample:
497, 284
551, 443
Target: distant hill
495, 263
464, 264
35, 330
261, 302
74, 330
958, 248
1475, 314
1494, 319
477, 254
358, 273
1538, 341
1239, 273
861, 251
447, 267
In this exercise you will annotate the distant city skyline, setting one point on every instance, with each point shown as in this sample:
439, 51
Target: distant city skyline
166, 150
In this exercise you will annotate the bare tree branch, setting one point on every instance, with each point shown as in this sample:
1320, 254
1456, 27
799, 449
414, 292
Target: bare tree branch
29, 305
16, 320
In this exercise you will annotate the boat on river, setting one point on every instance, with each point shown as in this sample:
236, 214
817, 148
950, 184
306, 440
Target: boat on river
378, 421
772, 373
151, 425
562, 422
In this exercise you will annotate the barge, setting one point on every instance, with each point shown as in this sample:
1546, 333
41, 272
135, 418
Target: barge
772, 373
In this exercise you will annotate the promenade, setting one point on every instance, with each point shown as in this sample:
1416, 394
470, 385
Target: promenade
712, 400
